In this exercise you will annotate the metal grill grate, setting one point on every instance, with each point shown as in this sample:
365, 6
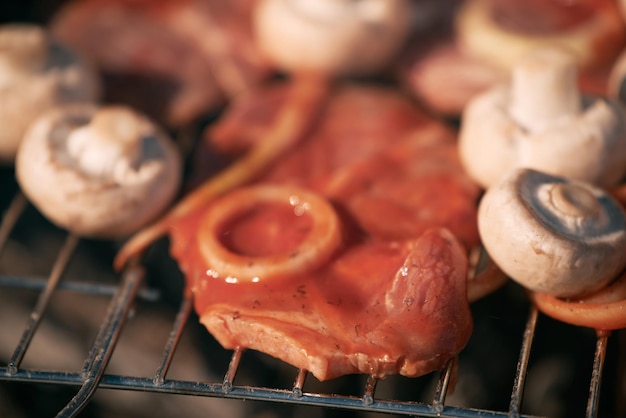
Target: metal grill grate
131, 287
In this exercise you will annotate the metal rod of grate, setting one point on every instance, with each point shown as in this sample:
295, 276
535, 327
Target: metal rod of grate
92, 375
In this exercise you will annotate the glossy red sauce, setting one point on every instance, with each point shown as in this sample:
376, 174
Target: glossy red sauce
392, 298
358, 306
267, 229
390, 172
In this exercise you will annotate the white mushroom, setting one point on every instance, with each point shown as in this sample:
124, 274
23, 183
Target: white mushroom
332, 36
99, 172
551, 234
36, 74
541, 121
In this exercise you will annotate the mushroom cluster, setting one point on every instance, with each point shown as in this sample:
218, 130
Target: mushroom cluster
485, 38
551, 160
101, 172
542, 121
36, 74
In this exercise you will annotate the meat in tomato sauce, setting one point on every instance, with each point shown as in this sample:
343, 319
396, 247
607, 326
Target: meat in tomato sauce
383, 287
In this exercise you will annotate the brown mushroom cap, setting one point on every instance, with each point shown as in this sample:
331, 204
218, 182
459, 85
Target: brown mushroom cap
36, 74
99, 172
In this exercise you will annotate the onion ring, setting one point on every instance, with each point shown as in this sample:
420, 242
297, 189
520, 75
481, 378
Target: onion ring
485, 281
317, 247
604, 310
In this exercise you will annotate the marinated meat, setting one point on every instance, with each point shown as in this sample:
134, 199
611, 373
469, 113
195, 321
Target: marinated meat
367, 137
379, 308
389, 295
175, 60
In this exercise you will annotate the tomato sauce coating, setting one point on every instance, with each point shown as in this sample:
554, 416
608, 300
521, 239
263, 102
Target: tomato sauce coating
392, 297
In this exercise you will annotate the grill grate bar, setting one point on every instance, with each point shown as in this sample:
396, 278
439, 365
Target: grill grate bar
177, 331
39, 283
105, 341
11, 216
370, 388
522, 364
596, 375
67, 250
232, 369
259, 394
121, 302
299, 382
443, 384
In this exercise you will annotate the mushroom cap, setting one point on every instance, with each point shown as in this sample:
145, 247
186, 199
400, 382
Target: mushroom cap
551, 234
540, 121
36, 74
332, 36
482, 36
98, 172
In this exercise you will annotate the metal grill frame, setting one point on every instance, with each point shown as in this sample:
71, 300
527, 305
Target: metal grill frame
123, 295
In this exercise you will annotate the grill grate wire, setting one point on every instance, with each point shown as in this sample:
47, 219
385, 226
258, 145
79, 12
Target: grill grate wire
123, 296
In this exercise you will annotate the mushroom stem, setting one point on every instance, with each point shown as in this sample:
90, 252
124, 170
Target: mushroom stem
576, 206
113, 134
545, 70
81, 179
572, 200
295, 119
